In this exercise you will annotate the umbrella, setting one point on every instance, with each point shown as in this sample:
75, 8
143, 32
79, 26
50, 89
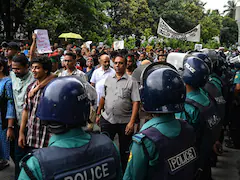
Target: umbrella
70, 36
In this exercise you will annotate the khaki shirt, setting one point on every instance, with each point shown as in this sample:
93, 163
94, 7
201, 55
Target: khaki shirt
119, 95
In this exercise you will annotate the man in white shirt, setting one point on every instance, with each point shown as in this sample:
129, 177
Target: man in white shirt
100, 75
98, 80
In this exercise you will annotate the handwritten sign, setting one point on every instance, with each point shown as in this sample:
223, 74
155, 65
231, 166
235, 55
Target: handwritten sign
118, 45
43, 43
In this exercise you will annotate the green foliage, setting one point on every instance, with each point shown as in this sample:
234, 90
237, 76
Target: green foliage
129, 17
229, 31
106, 20
210, 26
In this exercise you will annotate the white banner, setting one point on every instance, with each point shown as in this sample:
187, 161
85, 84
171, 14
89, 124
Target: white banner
165, 30
43, 43
118, 45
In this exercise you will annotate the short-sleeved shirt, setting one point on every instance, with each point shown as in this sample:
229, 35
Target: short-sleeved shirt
19, 86
237, 78
119, 95
98, 78
37, 134
76, 72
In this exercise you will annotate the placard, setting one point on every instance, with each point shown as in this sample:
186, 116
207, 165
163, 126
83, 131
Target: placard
43, 43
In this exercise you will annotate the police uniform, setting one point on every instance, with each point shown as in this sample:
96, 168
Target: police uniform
237, 78
72, 153
169, 127
72, 139
191, 113
164, 147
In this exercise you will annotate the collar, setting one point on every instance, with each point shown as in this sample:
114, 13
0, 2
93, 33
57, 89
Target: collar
158, 120
26, 76
109, 69
72, 133
125, 76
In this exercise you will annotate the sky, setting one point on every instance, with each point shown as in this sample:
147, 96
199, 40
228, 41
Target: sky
215, 4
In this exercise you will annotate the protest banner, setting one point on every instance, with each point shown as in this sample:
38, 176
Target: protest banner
165, 30
43, 43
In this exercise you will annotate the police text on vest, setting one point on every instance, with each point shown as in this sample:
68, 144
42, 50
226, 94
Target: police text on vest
93, 173
182, 159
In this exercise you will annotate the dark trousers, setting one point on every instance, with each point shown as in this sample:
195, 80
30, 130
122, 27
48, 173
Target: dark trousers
124, 140
16, 152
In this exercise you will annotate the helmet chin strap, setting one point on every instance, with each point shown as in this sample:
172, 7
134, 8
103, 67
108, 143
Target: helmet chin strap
57, 128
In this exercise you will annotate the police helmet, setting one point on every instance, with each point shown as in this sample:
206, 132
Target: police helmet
195, 72
205, 58
65, 101
162, 89
213, 55
176, 59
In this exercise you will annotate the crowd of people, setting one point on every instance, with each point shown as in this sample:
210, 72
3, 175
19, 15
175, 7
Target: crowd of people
51, 104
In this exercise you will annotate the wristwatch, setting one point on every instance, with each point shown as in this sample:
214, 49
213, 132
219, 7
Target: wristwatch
12, 127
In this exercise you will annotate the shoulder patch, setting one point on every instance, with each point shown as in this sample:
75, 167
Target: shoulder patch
138, 138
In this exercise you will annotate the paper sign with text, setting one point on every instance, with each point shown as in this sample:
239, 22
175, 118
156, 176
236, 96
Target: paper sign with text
43, 43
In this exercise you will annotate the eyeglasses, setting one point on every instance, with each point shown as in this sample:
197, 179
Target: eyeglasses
118, 63
68, 60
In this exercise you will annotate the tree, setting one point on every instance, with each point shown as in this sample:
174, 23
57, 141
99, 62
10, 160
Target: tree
84, 17
210, 25
229, 31
129, 17
230, 8
11, 16
181, 15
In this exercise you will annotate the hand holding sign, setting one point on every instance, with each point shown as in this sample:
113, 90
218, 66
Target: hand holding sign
43, 43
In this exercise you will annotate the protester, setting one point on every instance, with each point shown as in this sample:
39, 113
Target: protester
70, 63
7, 118
120, 104
37, 134
89, 69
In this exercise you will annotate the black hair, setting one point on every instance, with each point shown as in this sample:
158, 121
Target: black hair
22, 59
3, 63
44, 61
122, 56
113, 54
73, 55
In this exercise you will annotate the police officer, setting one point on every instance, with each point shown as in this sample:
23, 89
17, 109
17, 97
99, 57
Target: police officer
234, 124
163, 149
200, 112
215, 89
72, 153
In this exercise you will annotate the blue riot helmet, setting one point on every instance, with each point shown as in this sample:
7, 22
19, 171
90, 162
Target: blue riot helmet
205, 58
64, 103
162, 89
195, 72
